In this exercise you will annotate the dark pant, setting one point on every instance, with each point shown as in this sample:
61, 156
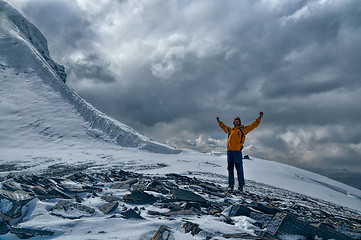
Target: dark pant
234, 159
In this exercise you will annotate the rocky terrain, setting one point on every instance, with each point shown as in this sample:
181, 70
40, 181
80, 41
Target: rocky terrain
180, 200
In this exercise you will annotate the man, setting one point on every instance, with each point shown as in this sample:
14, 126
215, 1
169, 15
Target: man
236, 138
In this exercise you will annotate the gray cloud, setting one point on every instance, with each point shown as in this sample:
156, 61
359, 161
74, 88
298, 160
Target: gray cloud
168, 68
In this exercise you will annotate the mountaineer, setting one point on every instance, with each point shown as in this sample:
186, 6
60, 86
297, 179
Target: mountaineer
236, 138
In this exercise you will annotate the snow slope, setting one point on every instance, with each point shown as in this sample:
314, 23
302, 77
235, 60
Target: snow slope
43, 122
24, 54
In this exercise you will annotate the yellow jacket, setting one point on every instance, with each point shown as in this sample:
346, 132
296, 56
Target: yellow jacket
237, 135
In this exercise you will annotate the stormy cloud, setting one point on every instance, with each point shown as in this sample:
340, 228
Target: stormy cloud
169, 68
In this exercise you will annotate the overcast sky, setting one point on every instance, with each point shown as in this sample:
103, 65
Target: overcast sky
169, 68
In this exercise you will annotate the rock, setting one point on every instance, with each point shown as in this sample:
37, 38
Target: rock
11, 203
58, 193
131, 214
11, 185
228, 220
47, 183
239, 210
261, 219
42, 193
25, 180
111, 198
210, 187
25, 233
109, 207
3, 227
163, 233
195, 205
71, 210
285, 224
139, 197
266, 208
183, 179
185, 195
78, 199
214, 211
154, 213
125, 184
70, 189
157, 186
191, 227
181, 212
242, 236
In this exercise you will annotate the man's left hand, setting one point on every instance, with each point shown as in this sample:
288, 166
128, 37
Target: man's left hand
261, 114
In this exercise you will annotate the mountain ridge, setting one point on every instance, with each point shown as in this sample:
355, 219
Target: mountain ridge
24, 47
35, 37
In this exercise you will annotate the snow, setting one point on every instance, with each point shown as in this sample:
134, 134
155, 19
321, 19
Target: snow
44, 123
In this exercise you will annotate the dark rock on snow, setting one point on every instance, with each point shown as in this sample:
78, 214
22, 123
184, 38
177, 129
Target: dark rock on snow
185, 195
12, 203
239, 210
71, 210
131, 214
25, 233
109, 207
139, 197
163, 233
189, 197
3, 227
191, 227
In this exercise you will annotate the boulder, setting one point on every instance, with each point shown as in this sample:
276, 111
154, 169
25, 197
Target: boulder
242, 236
110, 198
11, 203
185, 195
58, 193
125, 184
139, 197
157, 186
265, 207
181, 212
11, 185
211, 187
131, 214
25, 180
192, 227
239, 210
163, 233
42, 193
25, 233
78, 199
109, 207
71, 210
3, 227
286, 224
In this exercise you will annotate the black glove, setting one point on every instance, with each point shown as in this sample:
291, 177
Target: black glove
261, 114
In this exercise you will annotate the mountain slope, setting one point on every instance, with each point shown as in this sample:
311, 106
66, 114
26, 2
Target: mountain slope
48, 109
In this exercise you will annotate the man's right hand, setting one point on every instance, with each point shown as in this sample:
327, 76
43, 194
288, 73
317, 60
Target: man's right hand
217, 119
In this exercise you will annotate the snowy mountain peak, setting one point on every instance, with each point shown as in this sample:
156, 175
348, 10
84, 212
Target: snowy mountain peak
37, 106
32, 34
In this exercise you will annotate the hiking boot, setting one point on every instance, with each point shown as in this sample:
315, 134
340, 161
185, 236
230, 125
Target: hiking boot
230, 189
241, 189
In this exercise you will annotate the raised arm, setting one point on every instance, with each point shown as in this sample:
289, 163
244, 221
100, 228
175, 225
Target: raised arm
253, 125
225, 128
